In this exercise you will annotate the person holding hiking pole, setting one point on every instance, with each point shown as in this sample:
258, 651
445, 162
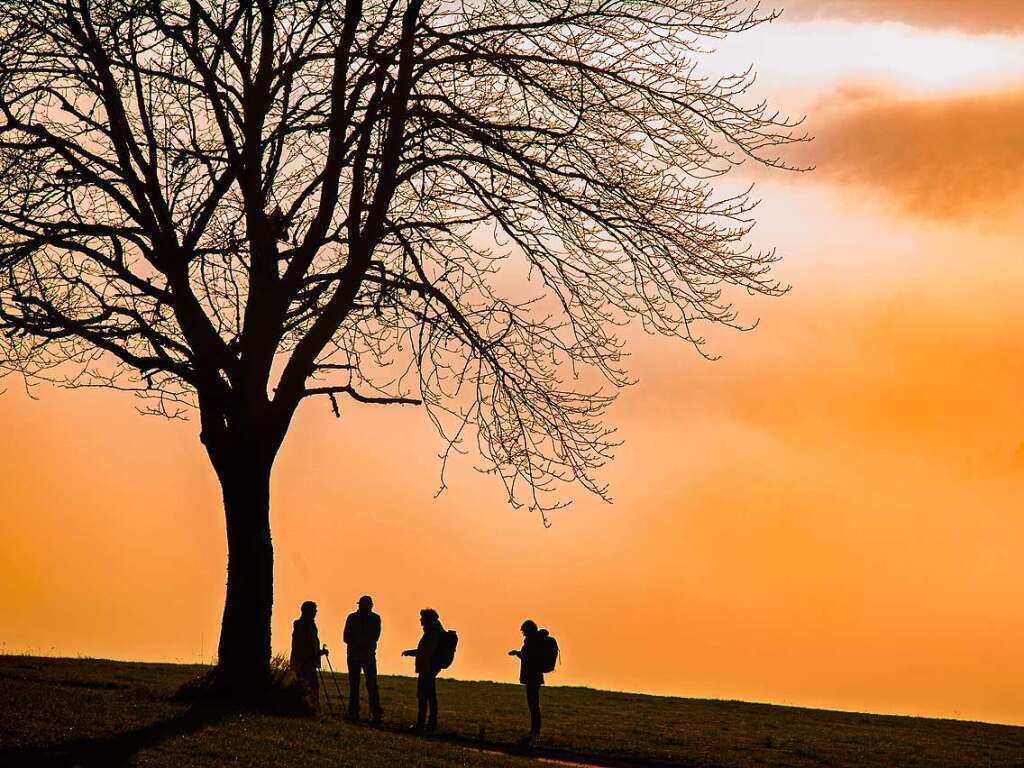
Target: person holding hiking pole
306, 652
362, 631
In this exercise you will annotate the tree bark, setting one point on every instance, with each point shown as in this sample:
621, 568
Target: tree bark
243, 656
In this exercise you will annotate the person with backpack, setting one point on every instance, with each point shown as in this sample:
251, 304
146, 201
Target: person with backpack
306, 652
435, 652
362, 631
537, 656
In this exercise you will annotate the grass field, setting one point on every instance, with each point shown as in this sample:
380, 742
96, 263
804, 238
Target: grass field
68, 712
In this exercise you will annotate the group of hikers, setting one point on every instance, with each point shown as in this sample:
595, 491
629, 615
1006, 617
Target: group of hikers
435, 652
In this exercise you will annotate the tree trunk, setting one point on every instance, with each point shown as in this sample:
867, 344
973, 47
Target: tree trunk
243, 661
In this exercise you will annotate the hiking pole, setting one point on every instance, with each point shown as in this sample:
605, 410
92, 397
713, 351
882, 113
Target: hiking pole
327, 699
334, 675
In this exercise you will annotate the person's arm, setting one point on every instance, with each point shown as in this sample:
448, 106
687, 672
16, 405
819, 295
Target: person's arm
432, 641
376, 629
315, 651
304, 644
347, 634
528, 655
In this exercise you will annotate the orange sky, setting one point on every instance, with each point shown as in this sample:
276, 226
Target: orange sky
830, 515
986, 16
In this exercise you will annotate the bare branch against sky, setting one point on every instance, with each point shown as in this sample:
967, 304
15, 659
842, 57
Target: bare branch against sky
236, 206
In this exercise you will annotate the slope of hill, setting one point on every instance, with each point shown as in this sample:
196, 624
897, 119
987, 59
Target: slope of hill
67, 712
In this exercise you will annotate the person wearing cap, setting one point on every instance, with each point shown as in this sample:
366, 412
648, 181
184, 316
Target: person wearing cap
362, 631
306, 651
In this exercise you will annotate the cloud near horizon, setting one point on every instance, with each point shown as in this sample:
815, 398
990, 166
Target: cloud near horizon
948, 158
984, 16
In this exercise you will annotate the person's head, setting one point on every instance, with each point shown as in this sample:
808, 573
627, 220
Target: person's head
528, 627
428, 616
308, 609
365, 603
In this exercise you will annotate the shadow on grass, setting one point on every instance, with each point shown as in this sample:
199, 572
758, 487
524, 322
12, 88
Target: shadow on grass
116, 749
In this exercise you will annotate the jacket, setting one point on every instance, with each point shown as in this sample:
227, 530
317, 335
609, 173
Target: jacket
305, 644
529, 660
362, 631
428, 649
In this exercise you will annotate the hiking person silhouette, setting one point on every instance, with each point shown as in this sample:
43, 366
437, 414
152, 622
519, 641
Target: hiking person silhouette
306, 651
428, 664
531, 671
362, 631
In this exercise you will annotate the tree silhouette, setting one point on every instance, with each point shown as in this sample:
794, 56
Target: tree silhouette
233, 206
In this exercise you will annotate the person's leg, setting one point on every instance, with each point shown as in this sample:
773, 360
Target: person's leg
432, 700
421, 699
370, 667
533, 700
311, 682
315, 678
353, 689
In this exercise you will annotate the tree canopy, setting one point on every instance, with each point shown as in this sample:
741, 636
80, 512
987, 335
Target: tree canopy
238, 205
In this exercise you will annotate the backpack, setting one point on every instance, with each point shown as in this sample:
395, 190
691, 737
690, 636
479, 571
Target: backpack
548, 647
446, 649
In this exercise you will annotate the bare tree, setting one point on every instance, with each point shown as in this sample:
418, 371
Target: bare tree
233, 206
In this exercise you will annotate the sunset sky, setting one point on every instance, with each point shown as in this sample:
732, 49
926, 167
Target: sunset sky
830, 515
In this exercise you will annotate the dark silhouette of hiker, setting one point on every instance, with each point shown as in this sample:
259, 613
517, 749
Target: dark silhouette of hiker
531, 671
427, 655
306, 651
362, 631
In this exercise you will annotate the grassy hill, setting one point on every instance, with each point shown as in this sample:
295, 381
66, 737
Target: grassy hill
67, 712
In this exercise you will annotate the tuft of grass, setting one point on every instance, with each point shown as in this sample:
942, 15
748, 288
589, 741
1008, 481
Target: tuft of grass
282, 693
